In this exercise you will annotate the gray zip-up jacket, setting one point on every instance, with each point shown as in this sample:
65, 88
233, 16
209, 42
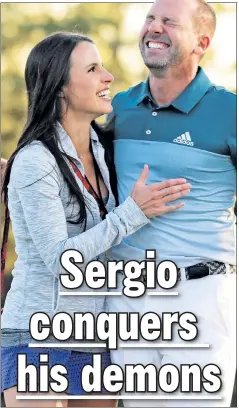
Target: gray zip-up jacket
39, 208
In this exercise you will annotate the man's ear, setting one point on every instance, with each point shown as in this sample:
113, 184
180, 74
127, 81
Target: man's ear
203, 45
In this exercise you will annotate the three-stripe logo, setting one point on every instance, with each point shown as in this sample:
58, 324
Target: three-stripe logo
185, 138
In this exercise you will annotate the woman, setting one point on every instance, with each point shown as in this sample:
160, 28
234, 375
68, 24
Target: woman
62, 195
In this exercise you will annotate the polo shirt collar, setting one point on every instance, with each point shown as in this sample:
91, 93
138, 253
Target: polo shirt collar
188, 99
194, 92
144, 92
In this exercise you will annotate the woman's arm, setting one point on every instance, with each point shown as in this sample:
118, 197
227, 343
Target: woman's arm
37, 181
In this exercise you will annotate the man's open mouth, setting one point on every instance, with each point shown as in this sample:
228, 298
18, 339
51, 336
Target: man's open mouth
157, 45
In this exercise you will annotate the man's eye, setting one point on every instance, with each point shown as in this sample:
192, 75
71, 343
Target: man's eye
92, 69
168, 21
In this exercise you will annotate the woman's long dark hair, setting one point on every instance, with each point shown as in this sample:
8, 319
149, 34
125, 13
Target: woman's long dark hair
47, 71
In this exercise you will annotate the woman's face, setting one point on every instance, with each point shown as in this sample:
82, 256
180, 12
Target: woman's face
87, 91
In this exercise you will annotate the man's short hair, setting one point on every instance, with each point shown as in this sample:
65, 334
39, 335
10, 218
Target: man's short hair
205, 16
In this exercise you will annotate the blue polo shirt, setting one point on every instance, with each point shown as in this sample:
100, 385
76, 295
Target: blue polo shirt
193, 137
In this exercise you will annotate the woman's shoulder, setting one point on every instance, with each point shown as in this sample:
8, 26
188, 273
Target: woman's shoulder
32, 163
35, 149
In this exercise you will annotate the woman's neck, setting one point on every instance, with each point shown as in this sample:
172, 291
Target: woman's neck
79, 132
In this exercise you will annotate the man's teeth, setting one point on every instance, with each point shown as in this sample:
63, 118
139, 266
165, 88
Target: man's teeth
157, 45
106, 92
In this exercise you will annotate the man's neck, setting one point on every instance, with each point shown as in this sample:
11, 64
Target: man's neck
167, 86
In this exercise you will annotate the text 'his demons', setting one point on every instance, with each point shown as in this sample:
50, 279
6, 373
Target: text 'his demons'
135, 378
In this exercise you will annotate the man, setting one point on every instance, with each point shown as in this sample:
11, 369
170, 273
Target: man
182, 125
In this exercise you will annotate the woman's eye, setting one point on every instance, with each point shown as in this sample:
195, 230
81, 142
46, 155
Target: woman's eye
92, 69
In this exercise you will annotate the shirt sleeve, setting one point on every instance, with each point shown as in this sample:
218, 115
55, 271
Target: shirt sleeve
35, 177
233, 149
231, 109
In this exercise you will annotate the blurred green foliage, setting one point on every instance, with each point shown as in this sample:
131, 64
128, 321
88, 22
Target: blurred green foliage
24, 24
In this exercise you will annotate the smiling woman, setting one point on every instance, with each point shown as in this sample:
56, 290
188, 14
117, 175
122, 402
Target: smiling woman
64, 76
60, 188
88, 87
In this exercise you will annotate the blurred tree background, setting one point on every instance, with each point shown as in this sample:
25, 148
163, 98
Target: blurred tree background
114, 27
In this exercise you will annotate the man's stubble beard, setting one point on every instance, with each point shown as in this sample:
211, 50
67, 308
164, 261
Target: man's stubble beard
162, 65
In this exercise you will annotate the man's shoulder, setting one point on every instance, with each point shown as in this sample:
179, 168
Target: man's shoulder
222, 101
222, 94
128, 95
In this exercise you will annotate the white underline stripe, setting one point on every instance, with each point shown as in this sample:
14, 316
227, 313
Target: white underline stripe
121, 345
161, 345
163, 293
114, 293
115, 397
90, 293
66, 345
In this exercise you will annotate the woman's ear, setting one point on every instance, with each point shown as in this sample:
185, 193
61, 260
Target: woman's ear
61, 94
62, 100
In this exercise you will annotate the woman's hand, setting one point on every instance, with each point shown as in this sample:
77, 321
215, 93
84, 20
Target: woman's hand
152, 199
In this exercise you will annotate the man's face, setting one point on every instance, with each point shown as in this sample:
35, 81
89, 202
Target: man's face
168, 35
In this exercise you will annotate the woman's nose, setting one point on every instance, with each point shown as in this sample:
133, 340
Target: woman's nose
108, 77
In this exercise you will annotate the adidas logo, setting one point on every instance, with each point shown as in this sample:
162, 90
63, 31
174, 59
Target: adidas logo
185, 138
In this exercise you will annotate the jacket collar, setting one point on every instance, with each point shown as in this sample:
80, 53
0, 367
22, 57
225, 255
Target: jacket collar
65, 143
